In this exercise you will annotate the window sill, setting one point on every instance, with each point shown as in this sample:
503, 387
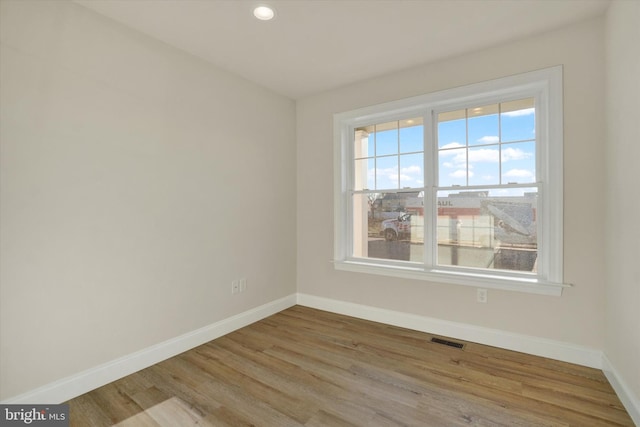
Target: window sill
518, 284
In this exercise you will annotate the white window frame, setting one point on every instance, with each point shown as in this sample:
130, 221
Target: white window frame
546, 87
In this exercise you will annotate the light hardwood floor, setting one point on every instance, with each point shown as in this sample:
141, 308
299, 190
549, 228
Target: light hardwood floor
305, 367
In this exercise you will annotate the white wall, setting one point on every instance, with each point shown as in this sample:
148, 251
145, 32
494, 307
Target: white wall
622, 343
136, 182
578, 316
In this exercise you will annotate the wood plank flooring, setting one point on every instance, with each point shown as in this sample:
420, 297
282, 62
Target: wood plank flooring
305, 367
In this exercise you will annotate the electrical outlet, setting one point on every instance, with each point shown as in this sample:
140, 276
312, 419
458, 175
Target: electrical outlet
482, 295
243, 285
235, 286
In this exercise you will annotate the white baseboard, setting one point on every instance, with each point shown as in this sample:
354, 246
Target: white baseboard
75, 385
630, 401
494, 337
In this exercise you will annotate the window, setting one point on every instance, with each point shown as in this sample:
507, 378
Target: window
461, 186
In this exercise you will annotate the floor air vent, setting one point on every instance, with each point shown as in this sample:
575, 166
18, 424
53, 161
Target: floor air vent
447, 342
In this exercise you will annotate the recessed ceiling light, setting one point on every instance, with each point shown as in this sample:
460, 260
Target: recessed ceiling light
264, 13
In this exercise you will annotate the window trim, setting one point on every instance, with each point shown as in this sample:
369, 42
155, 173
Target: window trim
546, 86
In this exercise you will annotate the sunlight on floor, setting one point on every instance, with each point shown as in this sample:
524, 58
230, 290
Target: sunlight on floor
170, 413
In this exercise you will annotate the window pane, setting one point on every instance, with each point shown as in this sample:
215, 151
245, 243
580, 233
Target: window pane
484, 165
483, 125
480, 126
411, 135
387, 138
411, 166
387, 172
518, 120
519, 162
388, 226
452, 167
494, 229
452, 129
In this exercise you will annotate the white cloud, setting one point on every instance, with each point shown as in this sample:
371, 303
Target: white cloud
477, 155
517, 113
514, 154
450, 145
519, 173
483, 155
411, 169
489, 139
387, 172
460, 173
408, 174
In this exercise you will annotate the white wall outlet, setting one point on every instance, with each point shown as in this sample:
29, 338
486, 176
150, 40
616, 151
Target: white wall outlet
482, 295
235, 286
243, 285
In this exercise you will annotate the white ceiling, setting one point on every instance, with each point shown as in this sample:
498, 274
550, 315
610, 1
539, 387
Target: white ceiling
316, 45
